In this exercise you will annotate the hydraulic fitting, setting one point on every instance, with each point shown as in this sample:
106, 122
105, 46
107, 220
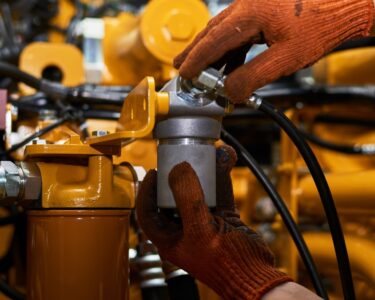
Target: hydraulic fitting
19, 182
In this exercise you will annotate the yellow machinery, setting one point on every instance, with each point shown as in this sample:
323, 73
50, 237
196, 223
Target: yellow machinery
135, 46
94, 182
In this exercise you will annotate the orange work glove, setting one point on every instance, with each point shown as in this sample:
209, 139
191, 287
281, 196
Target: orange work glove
298, 32
218, 249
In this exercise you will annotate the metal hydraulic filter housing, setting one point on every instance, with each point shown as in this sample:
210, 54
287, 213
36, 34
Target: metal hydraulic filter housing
185, 120
188, 134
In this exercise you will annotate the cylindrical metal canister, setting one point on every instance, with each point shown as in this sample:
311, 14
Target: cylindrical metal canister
77, 254
187, 139
201, 155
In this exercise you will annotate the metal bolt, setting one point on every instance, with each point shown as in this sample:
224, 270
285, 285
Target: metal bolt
180, 27
98, 133
39, 142
13, 183
46, 114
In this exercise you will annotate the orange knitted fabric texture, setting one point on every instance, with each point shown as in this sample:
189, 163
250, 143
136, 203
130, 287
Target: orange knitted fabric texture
298, 32
216, 248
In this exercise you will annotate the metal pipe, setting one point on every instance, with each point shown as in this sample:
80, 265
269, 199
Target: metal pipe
353, 192
361, 252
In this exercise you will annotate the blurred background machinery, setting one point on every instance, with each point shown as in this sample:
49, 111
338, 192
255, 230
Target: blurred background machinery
67, 198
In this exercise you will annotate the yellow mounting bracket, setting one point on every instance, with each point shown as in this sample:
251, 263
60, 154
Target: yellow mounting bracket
137, 120
138, 115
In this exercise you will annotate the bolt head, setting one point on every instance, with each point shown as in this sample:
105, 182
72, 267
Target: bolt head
39, 142
13, 181
98, 133
180, 27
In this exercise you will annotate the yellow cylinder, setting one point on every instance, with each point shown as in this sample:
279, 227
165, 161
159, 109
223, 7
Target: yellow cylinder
361, 253
77, 254
352, 192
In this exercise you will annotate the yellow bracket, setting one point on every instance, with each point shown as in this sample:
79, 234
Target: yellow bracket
138, 115
137, 121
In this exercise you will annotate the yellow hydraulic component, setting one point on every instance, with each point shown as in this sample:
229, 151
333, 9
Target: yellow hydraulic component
168, 26
62, 20
139, 153
138, 114
353, 193
361, 251
350, 179
351, 67
67, 59
95, 185
83, 174
139, 46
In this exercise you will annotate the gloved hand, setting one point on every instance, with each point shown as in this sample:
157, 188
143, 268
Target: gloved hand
298, 32
218, 249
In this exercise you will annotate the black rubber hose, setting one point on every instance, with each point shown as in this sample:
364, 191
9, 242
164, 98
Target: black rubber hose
342, 148
10, 292
154, 293
38, 134
182, 288
283, 210
53, 89
324, 192
331, 119
7, 220
7, 70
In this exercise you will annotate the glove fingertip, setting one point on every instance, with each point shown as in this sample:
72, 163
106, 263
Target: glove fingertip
226, 158
187, 70
235, 89
178, 60
180, 171
145, 202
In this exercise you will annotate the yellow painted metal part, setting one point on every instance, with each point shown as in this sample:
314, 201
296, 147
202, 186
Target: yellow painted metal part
361, 251
95, 185
167, 27
351, 67
138, 114
145, 45
70, 144
351, 181
38, 56
140, 153
62, 20
353, 193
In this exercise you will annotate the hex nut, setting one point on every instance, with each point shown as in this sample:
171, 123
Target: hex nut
13, 180
32, 181
98, 133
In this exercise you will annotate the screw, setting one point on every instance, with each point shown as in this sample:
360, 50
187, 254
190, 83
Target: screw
98, 133
47, 114
39, 142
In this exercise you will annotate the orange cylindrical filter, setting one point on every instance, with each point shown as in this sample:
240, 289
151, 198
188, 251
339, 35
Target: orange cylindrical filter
77, 255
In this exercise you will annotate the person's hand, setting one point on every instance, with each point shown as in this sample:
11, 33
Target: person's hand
298, 32
218, 249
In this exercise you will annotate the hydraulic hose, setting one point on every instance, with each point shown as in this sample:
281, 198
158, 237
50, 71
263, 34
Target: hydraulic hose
283, 210
38, 134
52, 89
8, 70
322, 187
154, 293
365, 149
182, 288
